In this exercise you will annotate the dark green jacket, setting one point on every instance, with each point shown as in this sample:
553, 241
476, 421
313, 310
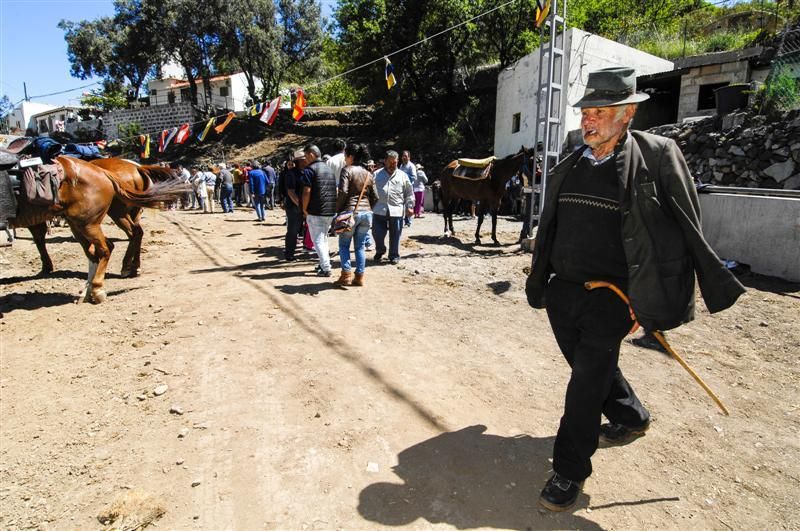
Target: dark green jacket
661, 235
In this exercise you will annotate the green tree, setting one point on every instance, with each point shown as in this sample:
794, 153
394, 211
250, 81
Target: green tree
6, 107
111, 96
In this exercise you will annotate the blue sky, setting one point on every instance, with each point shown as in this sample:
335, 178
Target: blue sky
33, 50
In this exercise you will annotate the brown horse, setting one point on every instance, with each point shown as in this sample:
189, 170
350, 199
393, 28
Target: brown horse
87, 193
132, 176
488, 191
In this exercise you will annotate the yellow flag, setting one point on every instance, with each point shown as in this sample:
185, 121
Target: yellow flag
542, 10
202, 136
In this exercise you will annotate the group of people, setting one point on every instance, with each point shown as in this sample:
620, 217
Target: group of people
249, 184
313, 188
376, 202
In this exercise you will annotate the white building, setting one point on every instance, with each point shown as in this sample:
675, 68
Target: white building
21, 118
228, 91
583, 53
54, 119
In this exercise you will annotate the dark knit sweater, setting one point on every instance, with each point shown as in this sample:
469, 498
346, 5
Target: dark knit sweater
588, 237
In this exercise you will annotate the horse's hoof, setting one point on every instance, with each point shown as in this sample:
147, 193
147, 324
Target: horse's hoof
477, 241
129, 273
98, 296
497, 243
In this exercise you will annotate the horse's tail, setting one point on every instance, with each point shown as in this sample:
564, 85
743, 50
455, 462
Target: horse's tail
159, 193
156, 173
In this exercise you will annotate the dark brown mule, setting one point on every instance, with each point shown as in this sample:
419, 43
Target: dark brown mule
84, 198
132, 176
488, 191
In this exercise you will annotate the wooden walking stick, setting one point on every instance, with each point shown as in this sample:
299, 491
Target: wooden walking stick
659, 337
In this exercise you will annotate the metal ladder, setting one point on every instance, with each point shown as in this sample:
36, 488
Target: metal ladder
549, 102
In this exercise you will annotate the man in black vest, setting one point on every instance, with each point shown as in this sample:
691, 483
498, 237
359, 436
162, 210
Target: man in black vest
319, 204
621, 209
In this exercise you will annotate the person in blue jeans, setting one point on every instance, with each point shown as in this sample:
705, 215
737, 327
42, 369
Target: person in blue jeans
395, 200
357, 193
258, 189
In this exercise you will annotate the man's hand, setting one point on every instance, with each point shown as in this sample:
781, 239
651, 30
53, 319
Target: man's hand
409, 212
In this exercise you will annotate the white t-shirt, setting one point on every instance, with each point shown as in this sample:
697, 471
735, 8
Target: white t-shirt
336, 163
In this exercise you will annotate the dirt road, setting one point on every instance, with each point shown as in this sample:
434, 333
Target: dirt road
427, 399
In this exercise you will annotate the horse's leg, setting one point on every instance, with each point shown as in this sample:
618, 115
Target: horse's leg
494, 226
129, 223
478, 229
38, 232
97, 250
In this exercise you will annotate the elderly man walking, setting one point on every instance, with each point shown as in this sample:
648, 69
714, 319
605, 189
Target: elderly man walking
319, 205
395, 200
620, 209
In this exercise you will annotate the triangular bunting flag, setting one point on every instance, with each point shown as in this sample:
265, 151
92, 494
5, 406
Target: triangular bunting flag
162, 138
299, 105
271, 112
170, 135
542, 10
389, 72
202, 136
221, 127
183, 134
145, 141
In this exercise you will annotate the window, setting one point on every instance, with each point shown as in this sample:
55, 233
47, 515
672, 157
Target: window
223, 91
43, 126
186, 95
515, 120
706, 100
171, 97
153, 92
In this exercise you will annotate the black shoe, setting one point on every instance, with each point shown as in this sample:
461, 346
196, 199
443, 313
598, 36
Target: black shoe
560, 493
322, 273
648, 341
394, 261
289, 259
618, 434
378, 258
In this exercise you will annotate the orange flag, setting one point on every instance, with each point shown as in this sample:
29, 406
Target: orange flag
221, 127
299, 105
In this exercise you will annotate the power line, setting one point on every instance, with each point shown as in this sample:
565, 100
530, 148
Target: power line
421, 41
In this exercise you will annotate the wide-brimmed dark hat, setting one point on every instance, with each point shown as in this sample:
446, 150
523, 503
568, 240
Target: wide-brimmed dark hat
611, 86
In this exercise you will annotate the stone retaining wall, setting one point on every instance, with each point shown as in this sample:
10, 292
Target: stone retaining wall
150, 119
741, 149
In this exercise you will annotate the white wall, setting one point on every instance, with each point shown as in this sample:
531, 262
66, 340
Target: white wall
762, 232
25, 111
584, 52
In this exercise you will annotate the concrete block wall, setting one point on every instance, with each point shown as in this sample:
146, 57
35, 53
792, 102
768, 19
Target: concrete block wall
85, 125
151, 120
762, 232
734, 72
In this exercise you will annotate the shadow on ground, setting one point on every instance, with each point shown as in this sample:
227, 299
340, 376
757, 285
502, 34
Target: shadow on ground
34, 301
469, 479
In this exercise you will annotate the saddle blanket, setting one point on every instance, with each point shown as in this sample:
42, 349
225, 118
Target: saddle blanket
40, 183
476, 163
471, 173
8, 203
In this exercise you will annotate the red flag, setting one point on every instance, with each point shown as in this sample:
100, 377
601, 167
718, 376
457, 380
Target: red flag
183, 134
299, 105
271, 112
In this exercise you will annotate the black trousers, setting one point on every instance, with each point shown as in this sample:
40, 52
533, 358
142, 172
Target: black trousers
589, 327
294, 221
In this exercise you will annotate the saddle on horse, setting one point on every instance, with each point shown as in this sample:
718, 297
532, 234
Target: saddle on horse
474, 169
